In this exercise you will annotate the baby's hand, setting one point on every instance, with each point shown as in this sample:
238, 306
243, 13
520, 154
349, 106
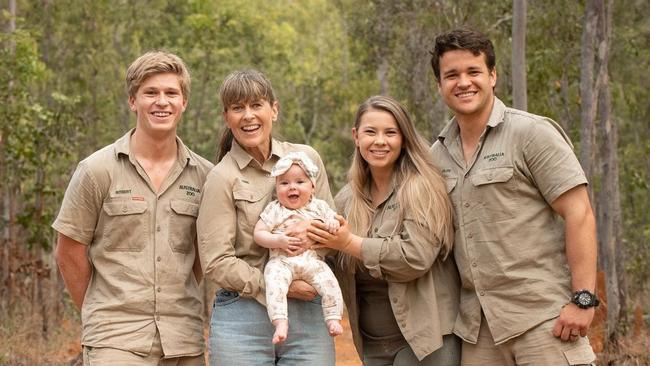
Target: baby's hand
288, 243
333, 226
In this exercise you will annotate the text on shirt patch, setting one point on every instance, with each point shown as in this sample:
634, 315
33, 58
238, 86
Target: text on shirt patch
123, 191
392, 206
493, 157
189, 190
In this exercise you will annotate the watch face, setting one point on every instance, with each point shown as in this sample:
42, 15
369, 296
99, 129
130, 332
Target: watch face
584, 299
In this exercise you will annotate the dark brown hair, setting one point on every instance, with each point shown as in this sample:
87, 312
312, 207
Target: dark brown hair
462, 39
242, 86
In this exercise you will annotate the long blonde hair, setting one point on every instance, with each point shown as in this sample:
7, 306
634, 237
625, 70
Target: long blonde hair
421, 193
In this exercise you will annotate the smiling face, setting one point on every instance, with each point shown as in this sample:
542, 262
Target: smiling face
251, 123
466, 84
378, 139
159, 104
294, 188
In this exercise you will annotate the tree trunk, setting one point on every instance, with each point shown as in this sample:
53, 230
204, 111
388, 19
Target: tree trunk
609, 213
382, 34
588, 107
6, 289
519, 94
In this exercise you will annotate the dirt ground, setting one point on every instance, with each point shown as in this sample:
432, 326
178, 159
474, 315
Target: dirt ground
346, 355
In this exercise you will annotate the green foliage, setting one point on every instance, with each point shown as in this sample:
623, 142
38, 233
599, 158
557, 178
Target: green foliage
63, 93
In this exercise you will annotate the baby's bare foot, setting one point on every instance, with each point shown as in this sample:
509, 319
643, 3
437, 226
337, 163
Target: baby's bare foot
334, 327
281, 328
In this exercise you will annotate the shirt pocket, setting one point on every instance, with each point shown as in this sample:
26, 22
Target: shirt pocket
127, 226
495, 191
450, 183
249, 204
387, 228
182, 225
580, 355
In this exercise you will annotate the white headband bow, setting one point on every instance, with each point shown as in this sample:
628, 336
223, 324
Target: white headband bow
299, 158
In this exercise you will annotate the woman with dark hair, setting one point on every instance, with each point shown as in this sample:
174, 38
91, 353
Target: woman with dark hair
235, 193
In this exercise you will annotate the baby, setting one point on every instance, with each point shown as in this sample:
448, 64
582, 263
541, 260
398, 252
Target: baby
295, 176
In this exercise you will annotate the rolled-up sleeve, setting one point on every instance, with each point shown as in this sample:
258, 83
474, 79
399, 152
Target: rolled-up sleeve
216, 229
400, 257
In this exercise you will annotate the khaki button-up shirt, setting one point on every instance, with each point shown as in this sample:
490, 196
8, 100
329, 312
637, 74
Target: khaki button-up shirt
235, 194
509, 246
422, 288
142, 246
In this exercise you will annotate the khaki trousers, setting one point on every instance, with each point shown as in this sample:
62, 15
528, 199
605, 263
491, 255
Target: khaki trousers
104, 356
536, 347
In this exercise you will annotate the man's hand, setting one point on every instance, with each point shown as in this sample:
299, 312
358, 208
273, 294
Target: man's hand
573, 322
301, 290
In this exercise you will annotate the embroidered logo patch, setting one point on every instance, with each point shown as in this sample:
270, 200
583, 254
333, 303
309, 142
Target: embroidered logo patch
494, 156
189, 190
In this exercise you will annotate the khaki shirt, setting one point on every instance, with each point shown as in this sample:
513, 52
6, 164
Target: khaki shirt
235, 194
509, 246
422, 288
142, 247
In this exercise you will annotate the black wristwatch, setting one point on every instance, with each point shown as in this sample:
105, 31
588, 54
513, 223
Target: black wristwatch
585, 299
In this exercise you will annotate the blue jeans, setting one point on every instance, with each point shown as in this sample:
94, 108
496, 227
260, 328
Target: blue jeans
241, 334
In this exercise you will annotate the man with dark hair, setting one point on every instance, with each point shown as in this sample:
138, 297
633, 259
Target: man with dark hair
126, 243
525, 231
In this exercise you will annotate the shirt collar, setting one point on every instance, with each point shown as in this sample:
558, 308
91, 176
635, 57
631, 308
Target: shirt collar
123, 146
451, 131
243, 158
391, 191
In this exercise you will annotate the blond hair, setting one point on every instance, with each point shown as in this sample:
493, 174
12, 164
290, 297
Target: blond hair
242, 86
421, 192
157, 62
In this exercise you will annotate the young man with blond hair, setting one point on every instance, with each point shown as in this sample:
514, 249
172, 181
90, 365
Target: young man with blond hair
525, 231
126, 244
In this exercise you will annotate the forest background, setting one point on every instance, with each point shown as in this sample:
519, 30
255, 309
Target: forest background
586, 64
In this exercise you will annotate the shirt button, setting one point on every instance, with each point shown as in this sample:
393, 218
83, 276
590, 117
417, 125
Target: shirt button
159, 259
489, 177
157, 317
376, 229
482, 293
158, 228
124, 208
466, 204
395, 299
474, 264
159, 289
470, 235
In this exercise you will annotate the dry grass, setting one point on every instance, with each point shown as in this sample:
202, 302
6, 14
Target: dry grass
22, 344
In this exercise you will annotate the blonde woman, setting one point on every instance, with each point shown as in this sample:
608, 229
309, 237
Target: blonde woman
400, 287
